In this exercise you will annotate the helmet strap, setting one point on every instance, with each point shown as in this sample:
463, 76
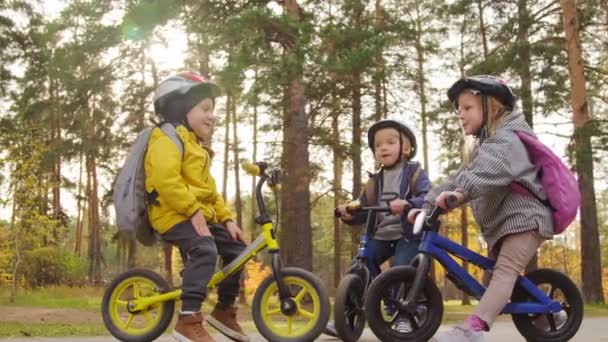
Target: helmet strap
482, 134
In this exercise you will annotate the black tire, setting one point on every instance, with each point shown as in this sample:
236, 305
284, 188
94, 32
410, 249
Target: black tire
349, 316
152, 284
380, 294
315, 297
560, 288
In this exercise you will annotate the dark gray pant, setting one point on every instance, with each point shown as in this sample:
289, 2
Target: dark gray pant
199, 255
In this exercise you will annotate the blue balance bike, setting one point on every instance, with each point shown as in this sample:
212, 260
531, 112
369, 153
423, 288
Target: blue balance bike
349, 316
545, 306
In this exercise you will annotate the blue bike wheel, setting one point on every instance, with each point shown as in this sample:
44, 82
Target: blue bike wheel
556, 327
387, 317
349, 316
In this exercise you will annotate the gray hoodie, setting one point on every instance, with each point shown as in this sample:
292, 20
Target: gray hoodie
498, 161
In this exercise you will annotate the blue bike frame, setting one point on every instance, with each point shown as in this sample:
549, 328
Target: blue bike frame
441, 248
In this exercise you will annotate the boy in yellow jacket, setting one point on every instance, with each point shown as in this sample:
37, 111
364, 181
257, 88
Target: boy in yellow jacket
185, 208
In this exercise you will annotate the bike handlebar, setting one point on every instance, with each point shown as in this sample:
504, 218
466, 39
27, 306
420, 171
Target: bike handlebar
338, 214
273, 180
429, 218
254, 169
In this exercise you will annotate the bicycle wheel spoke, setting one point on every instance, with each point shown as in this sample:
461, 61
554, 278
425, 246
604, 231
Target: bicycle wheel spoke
129, 321
306, 314
273, 311
289, 325
121, 303
147, 316
136, 293
552, 292
551, 322
300, 295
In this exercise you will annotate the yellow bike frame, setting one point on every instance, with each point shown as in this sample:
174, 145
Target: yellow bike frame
266, 239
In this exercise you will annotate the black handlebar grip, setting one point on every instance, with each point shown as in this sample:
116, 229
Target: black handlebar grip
337, 213
452, 201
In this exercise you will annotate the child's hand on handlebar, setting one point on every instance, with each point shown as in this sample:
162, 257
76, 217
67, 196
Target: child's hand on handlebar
344, 214
398, 206
440, 201
411, 215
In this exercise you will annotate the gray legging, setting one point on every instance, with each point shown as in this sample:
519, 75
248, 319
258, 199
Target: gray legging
199, 255
512, 254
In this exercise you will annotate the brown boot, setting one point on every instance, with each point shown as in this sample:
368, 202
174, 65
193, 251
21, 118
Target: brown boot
189, 328
223, 318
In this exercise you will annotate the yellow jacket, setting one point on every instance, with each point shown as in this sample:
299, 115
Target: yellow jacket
184, 184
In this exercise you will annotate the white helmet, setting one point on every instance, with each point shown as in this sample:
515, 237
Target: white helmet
182, 84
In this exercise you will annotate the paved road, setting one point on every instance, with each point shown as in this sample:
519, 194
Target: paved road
592, 330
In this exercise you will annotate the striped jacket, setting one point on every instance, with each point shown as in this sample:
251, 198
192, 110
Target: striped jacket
498, 161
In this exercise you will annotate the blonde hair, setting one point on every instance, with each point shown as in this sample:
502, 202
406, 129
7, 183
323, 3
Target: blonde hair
496, 114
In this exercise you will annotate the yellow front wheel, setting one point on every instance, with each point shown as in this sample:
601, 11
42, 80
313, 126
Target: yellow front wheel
308, 318
136, 326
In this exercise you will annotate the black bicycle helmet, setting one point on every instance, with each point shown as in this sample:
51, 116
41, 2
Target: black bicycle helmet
486, 85
389, 123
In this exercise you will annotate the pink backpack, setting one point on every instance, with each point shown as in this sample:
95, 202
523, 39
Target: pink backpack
563, 196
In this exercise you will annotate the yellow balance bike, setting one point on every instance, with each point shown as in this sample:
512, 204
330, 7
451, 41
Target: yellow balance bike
290, 305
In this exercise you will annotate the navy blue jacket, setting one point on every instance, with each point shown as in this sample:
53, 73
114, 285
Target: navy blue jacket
414, 196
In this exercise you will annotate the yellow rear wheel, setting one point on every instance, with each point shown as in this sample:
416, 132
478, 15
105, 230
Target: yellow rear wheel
308, 319
135, 326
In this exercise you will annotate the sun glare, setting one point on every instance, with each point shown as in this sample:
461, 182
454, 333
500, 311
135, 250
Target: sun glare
171, 53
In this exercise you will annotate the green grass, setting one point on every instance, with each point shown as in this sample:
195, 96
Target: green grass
50, 330
84, 298
596, 310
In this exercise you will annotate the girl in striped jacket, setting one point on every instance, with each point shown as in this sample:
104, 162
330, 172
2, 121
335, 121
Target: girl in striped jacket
514, 225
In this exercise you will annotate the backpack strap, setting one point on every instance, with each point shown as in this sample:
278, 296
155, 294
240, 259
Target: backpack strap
169, 129
413, 182
370, 190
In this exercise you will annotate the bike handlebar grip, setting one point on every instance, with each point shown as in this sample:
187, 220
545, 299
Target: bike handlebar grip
452, 202
250, 168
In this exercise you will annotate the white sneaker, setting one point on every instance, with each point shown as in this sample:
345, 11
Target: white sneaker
542, 323
403, 325
459, 334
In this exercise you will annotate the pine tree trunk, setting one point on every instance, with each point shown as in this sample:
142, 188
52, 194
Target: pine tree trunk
482, 29
17, 263
237, 197
226, 145
421, 81
525, 76
379, 75
590, 246
296, 233
254, 156
94, 224
423, 100
80, 209
237, 181
355, 154
131, 253
56, 174
523, 50
168, 260
338, 164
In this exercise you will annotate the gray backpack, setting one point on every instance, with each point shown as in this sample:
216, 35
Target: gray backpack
130, 195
